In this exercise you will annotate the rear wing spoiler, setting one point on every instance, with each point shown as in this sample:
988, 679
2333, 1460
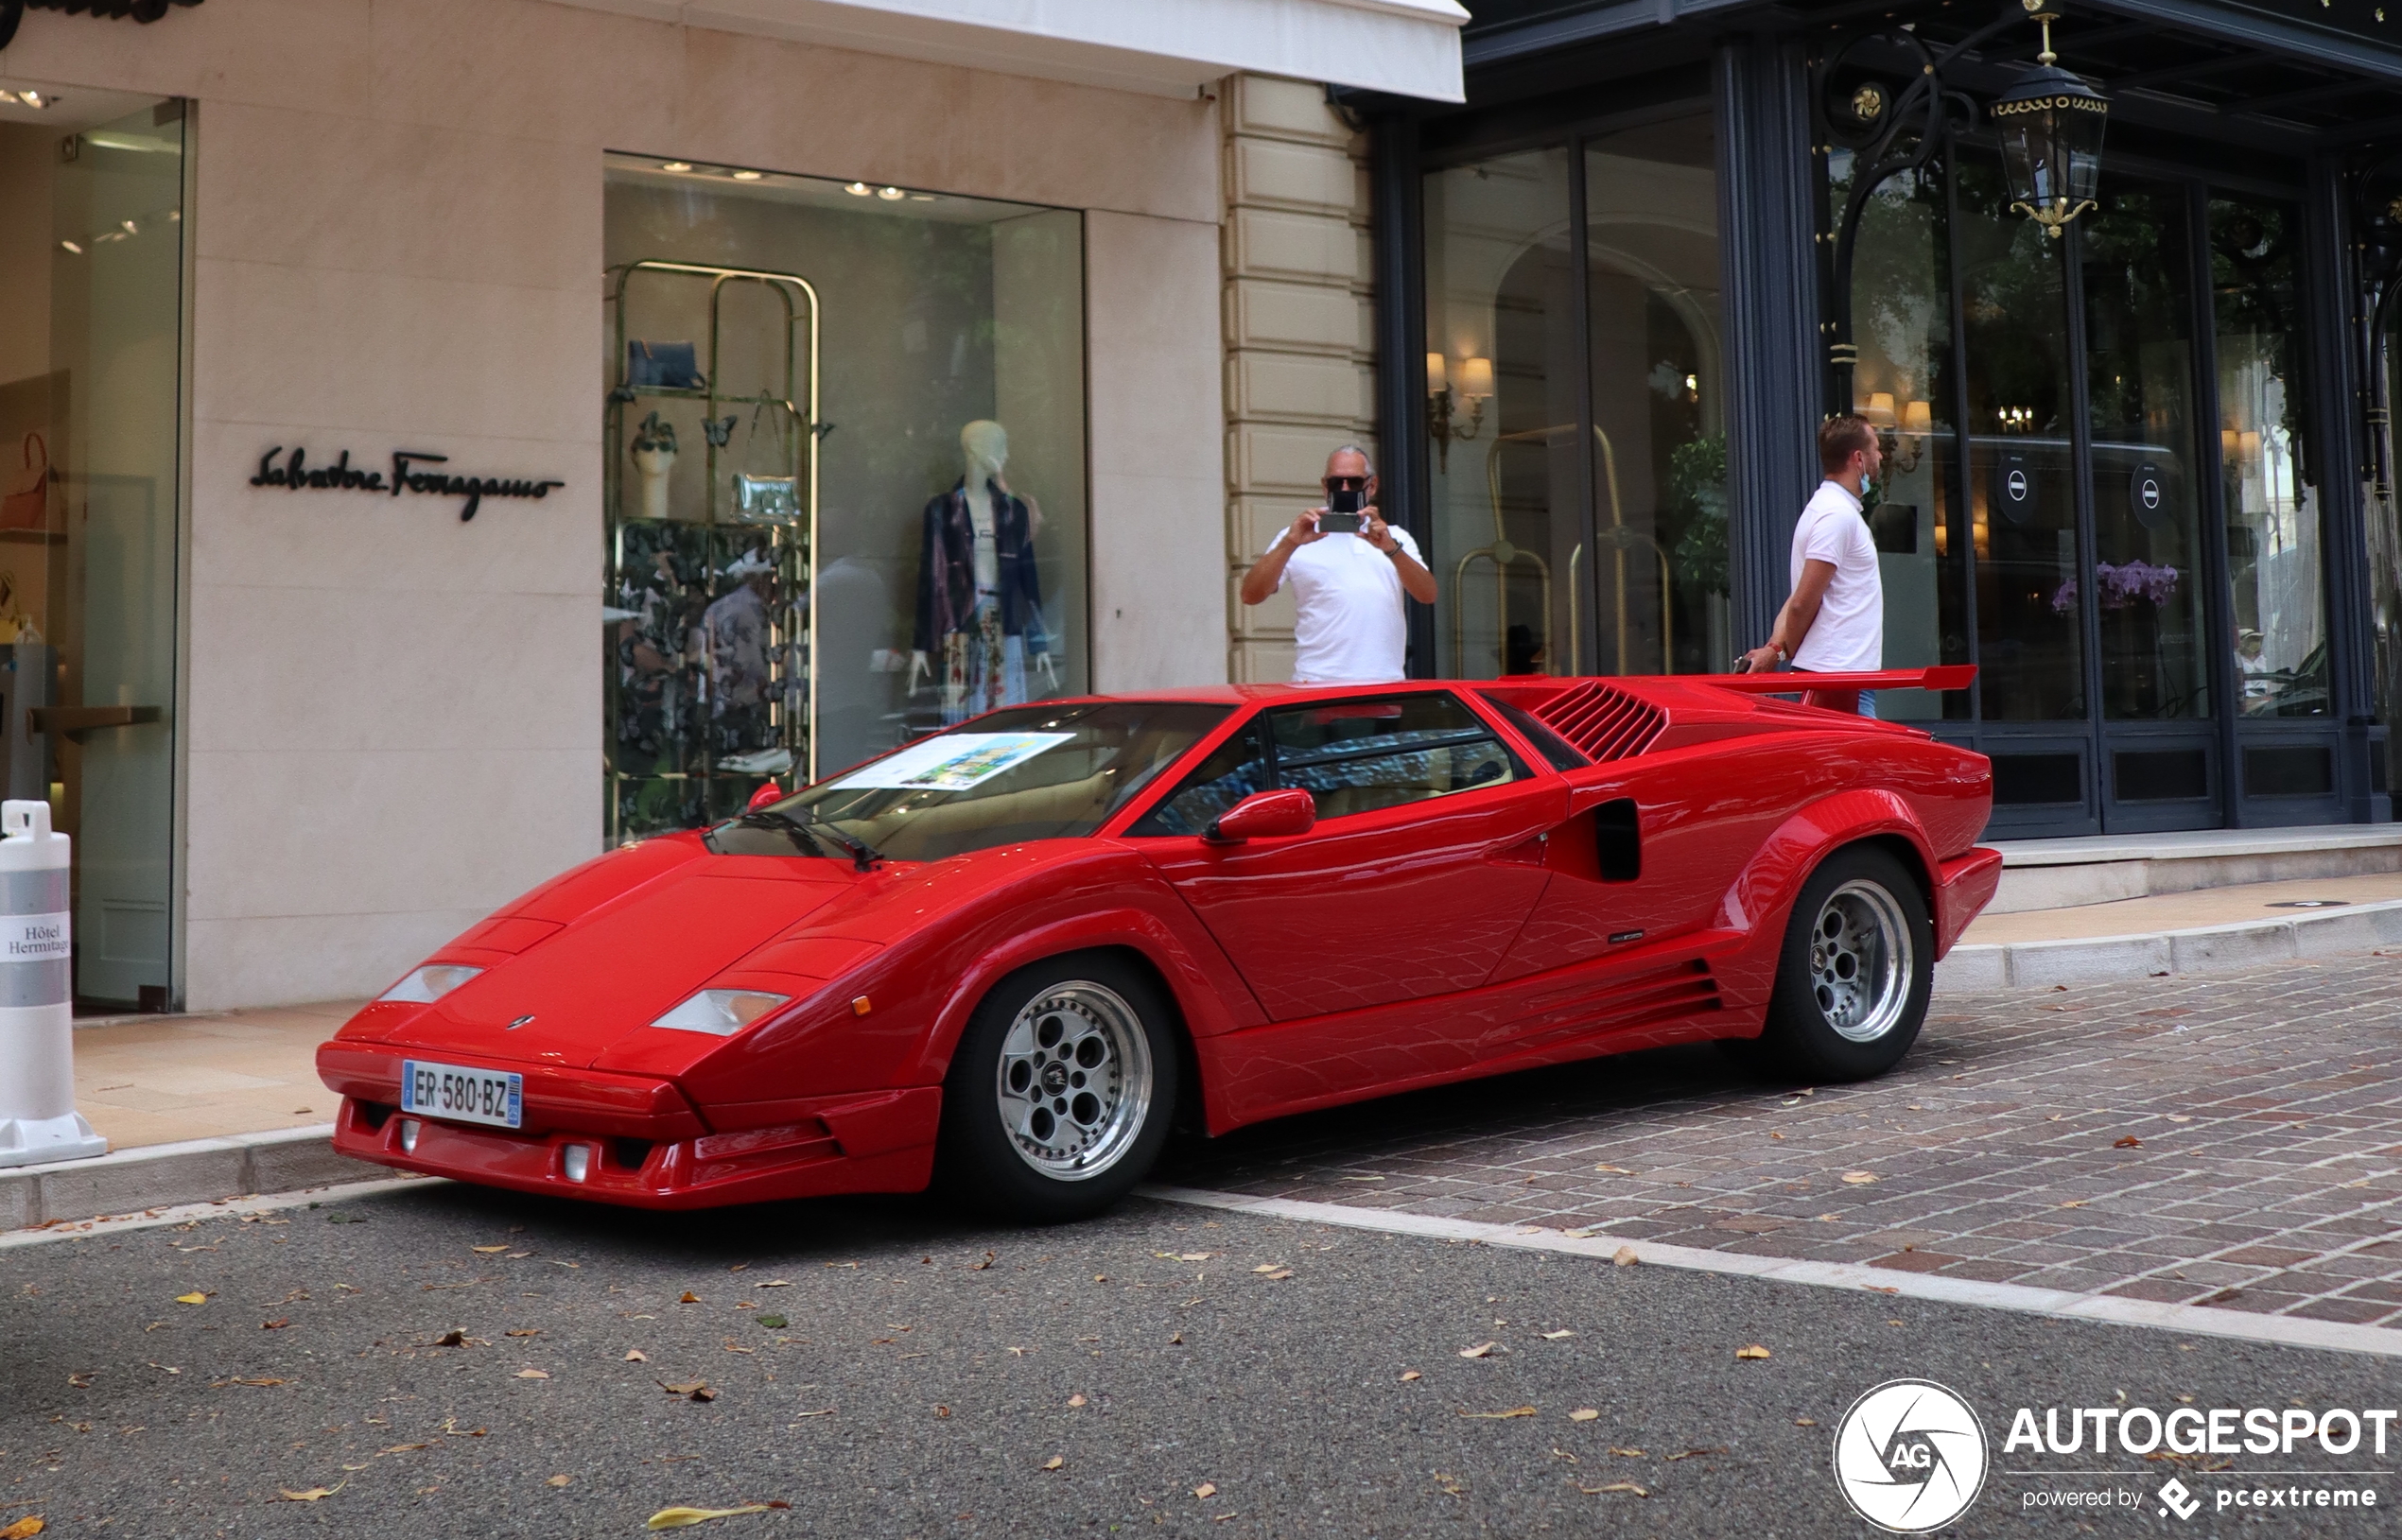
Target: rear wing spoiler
1950, 676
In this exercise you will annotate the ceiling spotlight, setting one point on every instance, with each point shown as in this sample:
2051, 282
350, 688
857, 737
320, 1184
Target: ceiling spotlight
131, 228
891, 195
857, 189
7, 98
675, 165
921, 197
35, 98
72, 247
748, 176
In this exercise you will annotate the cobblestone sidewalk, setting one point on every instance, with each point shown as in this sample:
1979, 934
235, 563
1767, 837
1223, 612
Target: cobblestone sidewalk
2231, 1141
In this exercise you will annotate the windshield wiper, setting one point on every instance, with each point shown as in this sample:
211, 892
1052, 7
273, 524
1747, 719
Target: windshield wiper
864, 855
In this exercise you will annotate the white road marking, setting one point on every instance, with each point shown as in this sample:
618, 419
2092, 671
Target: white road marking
2192, 1319
186, 1213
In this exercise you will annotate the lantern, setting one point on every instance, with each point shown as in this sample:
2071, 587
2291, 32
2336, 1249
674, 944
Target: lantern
2051, 127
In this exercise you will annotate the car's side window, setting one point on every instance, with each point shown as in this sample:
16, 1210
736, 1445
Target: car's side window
1355, 757
1232, 771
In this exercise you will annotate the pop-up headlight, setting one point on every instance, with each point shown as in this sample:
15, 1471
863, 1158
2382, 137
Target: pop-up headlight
721, 1012
429, 983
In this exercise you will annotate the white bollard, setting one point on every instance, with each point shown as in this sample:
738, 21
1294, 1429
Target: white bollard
37, 1119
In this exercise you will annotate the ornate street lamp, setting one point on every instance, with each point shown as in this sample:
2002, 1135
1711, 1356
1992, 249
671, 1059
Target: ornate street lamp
2052, 125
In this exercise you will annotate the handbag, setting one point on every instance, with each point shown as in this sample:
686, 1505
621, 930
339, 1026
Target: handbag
29, 509
663, 366
764, 499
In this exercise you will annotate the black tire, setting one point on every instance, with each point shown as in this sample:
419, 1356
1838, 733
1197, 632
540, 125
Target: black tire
1102, 1029
1847, 1005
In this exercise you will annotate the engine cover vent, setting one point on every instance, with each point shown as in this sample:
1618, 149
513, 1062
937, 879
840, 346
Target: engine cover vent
1602, 721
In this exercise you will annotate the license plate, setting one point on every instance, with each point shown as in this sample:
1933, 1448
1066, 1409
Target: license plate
463, 1095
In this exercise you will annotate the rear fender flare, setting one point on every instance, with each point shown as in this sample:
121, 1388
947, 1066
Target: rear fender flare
1129, 929
1764, 892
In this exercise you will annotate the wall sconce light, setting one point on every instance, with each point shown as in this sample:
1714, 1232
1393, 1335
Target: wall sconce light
2052, 125
1476, 388
1917, 421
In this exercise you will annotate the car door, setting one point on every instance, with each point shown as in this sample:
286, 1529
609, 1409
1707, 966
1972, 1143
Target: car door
1424, 862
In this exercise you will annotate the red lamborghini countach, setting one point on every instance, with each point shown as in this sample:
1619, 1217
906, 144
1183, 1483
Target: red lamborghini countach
1007, 956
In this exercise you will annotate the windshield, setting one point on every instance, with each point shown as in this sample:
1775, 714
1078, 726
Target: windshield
1033, 772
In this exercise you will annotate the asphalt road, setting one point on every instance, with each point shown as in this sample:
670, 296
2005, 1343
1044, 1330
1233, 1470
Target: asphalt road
888, 1369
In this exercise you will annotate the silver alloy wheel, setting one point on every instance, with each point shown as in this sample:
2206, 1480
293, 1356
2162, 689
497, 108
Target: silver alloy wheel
1861, 964
1075, 1080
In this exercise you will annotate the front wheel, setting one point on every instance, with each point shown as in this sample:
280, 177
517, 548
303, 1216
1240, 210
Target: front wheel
1058, 1097
1854, 977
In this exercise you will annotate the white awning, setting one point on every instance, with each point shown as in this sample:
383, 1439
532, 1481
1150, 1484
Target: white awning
1167, 47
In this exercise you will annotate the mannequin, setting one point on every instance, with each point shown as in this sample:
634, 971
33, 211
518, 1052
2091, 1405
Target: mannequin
653, 452
979, 602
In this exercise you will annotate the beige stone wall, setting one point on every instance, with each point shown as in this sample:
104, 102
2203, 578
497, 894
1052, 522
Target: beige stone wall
394, 718
1300, 359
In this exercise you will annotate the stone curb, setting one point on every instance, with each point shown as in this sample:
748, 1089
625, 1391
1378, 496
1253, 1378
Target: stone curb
2105, 959
161, 1175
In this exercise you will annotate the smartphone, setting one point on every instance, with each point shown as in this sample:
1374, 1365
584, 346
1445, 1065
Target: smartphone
1342, 515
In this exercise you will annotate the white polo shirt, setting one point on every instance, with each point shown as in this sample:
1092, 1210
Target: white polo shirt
1849, 635
1348, 628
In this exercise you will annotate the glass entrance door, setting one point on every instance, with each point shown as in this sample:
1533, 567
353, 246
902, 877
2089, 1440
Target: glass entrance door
2149, 600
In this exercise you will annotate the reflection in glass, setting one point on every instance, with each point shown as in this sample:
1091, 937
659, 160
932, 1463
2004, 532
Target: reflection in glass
1659, 562
2139, 382
2022, 487
1502, 367
2272, 505
2384, 521
1901, 308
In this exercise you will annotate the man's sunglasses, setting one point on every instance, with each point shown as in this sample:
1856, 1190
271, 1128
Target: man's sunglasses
1346, 483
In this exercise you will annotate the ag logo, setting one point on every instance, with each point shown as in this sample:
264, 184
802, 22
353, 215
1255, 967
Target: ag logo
1909, 1456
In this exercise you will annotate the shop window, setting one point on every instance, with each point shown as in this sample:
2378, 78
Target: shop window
1904, 383
91, 325
847, 482
2269, 490
1577, 454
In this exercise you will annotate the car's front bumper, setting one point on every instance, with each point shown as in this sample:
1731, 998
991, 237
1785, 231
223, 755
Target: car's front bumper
623, 1139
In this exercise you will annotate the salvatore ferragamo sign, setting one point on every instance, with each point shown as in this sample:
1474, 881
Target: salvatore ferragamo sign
409, 473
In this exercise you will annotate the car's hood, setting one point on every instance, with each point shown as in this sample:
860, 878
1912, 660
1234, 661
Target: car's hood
619, 966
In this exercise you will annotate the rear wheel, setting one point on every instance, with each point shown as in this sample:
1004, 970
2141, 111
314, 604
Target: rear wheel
1852, 979
1059, 1095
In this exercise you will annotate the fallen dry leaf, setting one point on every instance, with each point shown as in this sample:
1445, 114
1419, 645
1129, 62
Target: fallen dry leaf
453, 1338
276, 1325
2076, 1202
684, 1518
1631, 1454
1612, 1486
1280, 1273
1555, 1336
1497, 1417
1476, 1352
1583, 1415
1859, 1179
1805, 1422
24, 1529
689, 1298
532, 1374
1696, 1454
777, 1283
1076, 1400
400, 1448
558, 1480
486, 1251
1614, 1170
635, 1355
1055, 1462
1205, 1490
2126, 1141
1409, 1374
1754, 1351
1177, 1340
524, 1331
262, 1384
313, 1494
191, 1299
1626, 1257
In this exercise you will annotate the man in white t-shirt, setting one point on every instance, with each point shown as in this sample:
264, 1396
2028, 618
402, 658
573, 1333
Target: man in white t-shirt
1835, 622
1349, 626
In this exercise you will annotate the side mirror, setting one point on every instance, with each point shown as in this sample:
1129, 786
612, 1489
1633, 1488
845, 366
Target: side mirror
765, 794
1265, 815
